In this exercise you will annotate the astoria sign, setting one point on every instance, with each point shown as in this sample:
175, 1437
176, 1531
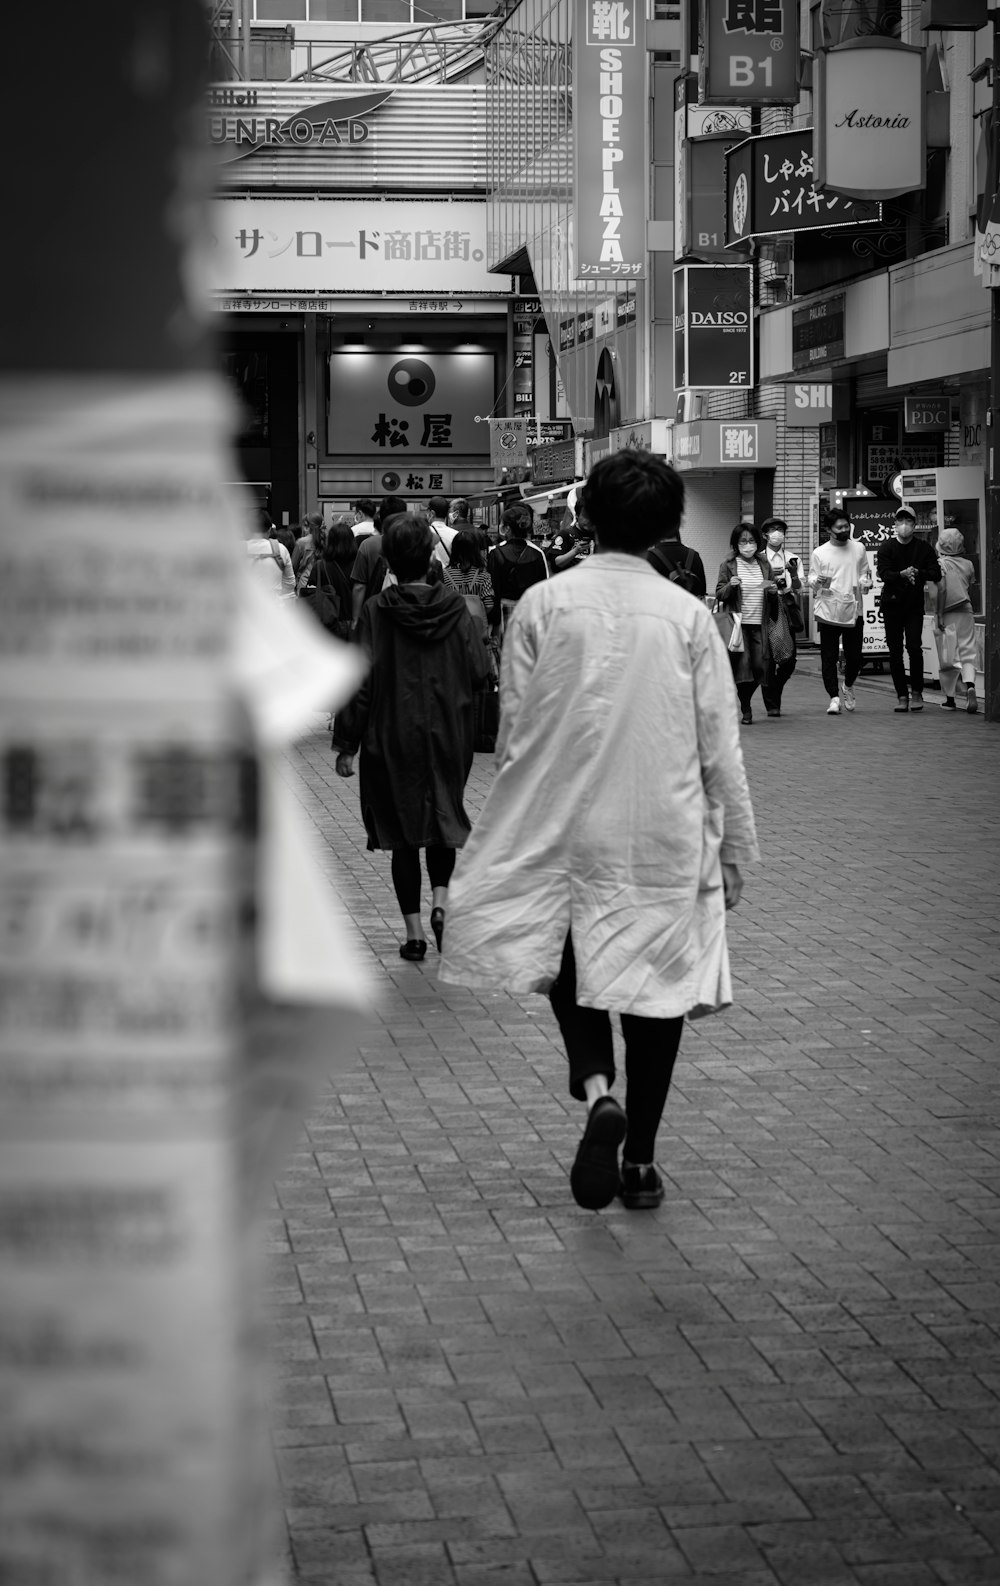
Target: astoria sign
870, 141
235, 125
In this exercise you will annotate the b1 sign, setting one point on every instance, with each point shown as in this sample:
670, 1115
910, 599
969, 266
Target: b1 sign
750, 53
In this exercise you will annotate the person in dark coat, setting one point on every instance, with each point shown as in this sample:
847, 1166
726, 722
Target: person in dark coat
905, 564
414, 722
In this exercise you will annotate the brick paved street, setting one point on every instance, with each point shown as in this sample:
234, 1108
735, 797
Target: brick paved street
790, 1372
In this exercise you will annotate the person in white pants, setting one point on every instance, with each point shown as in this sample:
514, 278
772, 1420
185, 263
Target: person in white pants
955, 629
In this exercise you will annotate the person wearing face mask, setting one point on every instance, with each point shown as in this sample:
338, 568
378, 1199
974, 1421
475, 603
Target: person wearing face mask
745, 584
905, 564
786, 572
839, 578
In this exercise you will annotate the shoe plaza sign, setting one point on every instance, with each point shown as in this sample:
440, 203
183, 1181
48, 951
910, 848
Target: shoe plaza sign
239, 124
713, 327
772, 187
610, 97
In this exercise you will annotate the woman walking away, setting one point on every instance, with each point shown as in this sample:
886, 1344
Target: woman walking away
515, 564
745, 584
616, 705
413, 721
955, 630
787, 575
466, 571
308, 548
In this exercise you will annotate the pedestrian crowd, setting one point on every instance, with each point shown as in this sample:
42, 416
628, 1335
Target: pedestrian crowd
617, 692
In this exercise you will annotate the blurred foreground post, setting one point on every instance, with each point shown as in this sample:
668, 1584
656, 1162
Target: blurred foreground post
126, 832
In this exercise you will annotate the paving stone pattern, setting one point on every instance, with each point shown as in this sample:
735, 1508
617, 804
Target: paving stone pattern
788, 1375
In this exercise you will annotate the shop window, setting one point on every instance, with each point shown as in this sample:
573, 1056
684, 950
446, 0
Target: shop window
385, 11
281, 10
333, 10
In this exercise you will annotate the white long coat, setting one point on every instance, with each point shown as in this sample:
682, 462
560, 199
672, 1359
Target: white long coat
619, 790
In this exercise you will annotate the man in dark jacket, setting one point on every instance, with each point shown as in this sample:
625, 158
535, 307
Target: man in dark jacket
905, 564
413, 721
682, 565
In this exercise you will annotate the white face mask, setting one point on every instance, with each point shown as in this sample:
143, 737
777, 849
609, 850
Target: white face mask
904, 529
749, 551
775, 541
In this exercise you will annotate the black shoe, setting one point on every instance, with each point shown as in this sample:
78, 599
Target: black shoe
746, 720
902, 704
594, 1177
641, 1187
413, 951
971, 702
437, 926
948, 704
774, 713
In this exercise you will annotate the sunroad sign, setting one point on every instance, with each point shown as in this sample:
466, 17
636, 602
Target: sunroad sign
713, 327
237, 127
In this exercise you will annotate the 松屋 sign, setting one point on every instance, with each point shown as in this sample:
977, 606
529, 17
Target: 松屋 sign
750, 53
713, 327
609, 136
870, 140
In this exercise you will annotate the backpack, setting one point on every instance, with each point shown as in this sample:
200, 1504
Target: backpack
517, 571
683, 573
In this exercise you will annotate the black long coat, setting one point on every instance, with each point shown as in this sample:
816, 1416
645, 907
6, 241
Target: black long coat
413, 716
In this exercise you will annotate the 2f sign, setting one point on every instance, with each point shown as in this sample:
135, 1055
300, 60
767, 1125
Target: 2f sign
751, 50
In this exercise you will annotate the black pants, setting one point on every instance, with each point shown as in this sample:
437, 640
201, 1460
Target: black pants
650, 1053
829, 649
406, 874
777, 676
905, 627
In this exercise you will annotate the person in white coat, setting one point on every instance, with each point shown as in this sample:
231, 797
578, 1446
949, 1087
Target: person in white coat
616, 703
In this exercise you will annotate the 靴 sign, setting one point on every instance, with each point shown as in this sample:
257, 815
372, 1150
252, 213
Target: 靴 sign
751, 52
609, 136
713, 327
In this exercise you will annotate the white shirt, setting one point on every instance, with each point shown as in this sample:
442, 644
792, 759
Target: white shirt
271, 565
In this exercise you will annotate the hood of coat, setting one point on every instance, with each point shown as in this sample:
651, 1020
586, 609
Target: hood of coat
427, 612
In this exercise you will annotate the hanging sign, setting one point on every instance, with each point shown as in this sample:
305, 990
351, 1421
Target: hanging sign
610, 94
750, 52
870, 133
771, 187
713, 326
509, 443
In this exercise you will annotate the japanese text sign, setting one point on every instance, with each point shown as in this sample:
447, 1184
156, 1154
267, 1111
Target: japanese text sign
750, 52
406, 409
870, 139
708, 444
713, 326
771, 187
344, 245
610, 95
509, 443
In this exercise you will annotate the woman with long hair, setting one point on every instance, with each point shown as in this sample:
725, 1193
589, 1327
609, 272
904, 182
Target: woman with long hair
308, 547
746, 585
413, 723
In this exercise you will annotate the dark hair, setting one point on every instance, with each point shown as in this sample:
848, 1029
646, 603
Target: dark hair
518, 519
746, 528
460, 507
834, 516
266, 523
438, 506
407, 543
466, 550
632, 499
388, 507
366, 506
773, 523
341, 546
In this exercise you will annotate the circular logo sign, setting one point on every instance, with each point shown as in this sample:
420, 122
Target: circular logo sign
411, 382
741, 204
508, 441
390, 483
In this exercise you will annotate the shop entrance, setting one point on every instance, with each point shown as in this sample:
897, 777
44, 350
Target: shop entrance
263, 367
